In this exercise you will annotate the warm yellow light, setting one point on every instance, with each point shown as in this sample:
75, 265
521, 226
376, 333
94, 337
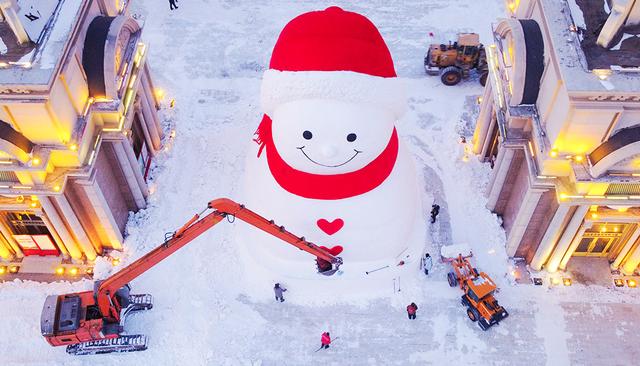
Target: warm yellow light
6, 162
73, 271
512, 6
603, 229
616, 229
33, 204
479, 100
602, 74
566, 281
579, 158
89, 271
563, 196
73, 147
35, 161
20, 199
159, 93
555, 281
3, 270
594, 215
115, 261
60, 271
631, 283
172, 103
465, 158
618, 282
553, 153
57, 188
622, 208
14, 269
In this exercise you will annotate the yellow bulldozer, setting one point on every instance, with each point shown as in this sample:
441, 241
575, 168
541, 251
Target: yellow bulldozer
454, 62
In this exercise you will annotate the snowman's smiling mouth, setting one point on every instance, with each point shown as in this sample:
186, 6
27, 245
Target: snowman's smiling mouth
301, 148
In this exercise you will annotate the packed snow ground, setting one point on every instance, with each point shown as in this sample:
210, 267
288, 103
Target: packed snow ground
209, 56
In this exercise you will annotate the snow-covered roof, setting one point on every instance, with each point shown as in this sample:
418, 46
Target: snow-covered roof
565, 20
49, 24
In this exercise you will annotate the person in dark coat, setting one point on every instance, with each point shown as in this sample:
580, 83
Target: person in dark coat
172, 4
279, 290
325, 340
435, 210
411, 310
427, 263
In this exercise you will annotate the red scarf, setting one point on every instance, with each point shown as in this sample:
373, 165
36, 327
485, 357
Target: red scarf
326, 187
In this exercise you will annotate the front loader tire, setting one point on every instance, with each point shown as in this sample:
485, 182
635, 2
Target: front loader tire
483, 78
452, 279
473, 314
451, 75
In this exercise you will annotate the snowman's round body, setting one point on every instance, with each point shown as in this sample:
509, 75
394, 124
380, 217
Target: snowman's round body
329, 164
376, 228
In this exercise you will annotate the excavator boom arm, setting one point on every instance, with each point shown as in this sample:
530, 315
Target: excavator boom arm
222, 207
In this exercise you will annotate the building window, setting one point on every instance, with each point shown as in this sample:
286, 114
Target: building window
600, 239
31, 233
140, 147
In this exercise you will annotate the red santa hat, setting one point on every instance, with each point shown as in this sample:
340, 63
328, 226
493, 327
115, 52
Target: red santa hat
332, 54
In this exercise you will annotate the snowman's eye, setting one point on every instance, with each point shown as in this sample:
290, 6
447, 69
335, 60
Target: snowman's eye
307, 135
351, 137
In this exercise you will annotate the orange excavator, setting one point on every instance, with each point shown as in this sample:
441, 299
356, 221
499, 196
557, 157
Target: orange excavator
92, 322
478, 287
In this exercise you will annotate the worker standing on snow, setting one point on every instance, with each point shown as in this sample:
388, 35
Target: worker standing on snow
172, 4
411, 310
325, 340
435, 210
427, 263
278, 290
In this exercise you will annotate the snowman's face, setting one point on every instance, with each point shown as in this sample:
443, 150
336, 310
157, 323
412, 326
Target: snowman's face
328, 137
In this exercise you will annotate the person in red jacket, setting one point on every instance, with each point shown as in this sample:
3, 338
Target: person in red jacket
325, 340
411, 310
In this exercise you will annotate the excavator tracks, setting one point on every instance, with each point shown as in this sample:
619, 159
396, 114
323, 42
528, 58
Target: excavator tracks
124, 343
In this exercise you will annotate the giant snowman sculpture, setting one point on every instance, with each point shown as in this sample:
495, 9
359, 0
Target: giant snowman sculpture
328, 162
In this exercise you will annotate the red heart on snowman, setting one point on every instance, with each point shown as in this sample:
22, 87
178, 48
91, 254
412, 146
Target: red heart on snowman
335, 250
332, 227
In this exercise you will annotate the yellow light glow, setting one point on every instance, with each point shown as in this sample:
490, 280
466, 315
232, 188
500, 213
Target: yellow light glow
479, 100
622, 208
73, 147
594, 216
602, 74
616, 229
3, 270
512, 6
89, 271
555, 281
35, 161
6, 162
33, 204
579, 158
563, 196
159, 93
603, 229
618, 282
73, 271
631, 283
566, 281
465, 158
57, 188
115, 261
60, 271
14, 269
172, 103
553, 153
20, 199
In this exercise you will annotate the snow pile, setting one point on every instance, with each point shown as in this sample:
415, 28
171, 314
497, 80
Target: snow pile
35, 15
577, 15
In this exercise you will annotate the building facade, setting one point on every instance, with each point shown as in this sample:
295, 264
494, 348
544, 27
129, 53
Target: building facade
560, 124
78, 129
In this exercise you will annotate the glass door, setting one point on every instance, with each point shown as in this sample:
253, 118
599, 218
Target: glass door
599, 239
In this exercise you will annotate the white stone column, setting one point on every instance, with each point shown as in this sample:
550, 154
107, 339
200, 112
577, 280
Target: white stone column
10, 13
550, 237
565, 240
101, 207
483, 123
76, 227
501, 168
5, 249
9, 238
631, 263
627, 247
574, 244
529, 204
65, 237
129, 173
128, 149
